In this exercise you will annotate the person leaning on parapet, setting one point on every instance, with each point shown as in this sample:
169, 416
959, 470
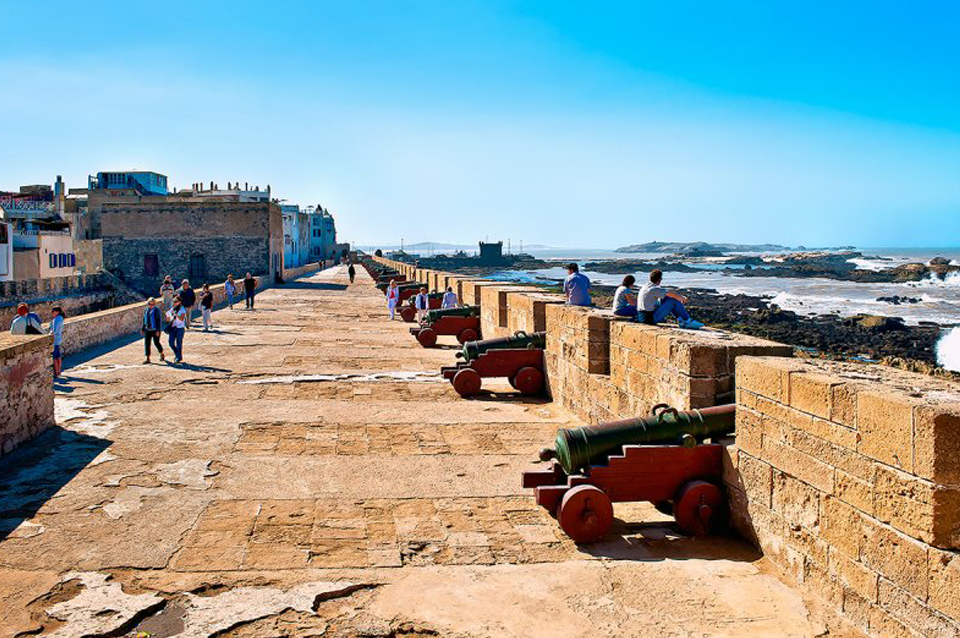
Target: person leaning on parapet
167, 291
250, 289
151, 328
230, 287
576, 287
393, 297
26, 322
188, 299
624, 300
352, 272
657, 304
449, 299
56, 329
422, 304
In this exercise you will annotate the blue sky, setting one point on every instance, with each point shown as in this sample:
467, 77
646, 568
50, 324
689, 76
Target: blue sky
561, 123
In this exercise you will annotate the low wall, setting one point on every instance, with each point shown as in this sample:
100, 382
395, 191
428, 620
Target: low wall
26, 380
848, 477
300, 271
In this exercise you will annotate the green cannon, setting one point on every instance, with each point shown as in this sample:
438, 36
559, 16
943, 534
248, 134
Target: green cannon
576, 448
529, 340
401, 285
464, 311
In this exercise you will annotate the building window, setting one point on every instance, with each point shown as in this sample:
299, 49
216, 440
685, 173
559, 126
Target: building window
198, 267
53, 260
151, 266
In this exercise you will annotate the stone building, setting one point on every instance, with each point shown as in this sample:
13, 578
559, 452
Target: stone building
202, 239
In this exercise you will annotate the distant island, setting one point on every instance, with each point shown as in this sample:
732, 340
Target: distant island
698, 247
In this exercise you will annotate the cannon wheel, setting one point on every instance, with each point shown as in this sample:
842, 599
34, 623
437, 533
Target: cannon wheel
467, 382
698, 507
408, 314
427, 337
528, 380
467, 334
585, 514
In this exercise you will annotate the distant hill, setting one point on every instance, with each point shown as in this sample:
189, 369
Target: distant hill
697, 247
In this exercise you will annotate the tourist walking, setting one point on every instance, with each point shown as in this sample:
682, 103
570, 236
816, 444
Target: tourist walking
151, 328
206, 307
393, 298
352, 272
167, 291
188, 299
422, 304
657, 304
230, 286
449, 299
624, 301
26, 322
177, 318
249, 289
56, 329
576, 287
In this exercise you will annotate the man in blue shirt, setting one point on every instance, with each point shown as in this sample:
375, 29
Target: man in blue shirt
56, 329
576, 287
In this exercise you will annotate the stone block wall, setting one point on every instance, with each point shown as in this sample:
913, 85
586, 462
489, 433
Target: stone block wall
290, 274
848, 478
527, 310
26, 388
494, 309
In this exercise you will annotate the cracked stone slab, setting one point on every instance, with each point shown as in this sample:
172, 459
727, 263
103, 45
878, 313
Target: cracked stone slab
101, 608
194, 474
206, 616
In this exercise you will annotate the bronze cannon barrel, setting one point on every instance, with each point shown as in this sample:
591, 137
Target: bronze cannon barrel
473, 349
576, 448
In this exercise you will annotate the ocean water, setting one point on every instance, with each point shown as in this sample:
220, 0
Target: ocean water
939, 299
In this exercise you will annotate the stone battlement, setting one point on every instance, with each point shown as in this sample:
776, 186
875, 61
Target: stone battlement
845, 475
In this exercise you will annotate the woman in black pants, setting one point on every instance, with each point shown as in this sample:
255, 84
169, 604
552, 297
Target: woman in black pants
152, 325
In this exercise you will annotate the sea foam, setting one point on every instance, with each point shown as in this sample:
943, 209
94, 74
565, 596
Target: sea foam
948, 350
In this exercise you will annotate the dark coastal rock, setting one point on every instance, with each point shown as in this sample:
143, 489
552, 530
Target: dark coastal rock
896, 300
939, 261
878, 323
628, 266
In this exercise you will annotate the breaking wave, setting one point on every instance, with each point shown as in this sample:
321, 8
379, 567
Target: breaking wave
948, 350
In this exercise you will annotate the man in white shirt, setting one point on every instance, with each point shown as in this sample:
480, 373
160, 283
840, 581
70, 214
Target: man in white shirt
657, 303
449, 299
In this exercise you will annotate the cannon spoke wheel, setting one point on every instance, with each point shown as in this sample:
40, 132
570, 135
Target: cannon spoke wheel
585, 514
467, 382
698, 508
467, 334
528, 380
408, 314
427, 337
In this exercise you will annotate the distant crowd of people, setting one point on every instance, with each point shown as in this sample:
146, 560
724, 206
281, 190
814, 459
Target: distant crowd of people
172, 315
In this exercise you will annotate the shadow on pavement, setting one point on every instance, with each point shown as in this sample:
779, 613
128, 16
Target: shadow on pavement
661, 540
33, 473
65, 383
315, 285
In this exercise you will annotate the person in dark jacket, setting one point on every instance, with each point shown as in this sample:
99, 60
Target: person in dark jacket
188, 299
249, 288
152, 325
352, 272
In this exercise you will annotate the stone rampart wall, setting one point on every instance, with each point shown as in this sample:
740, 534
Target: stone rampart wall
26, 388
848, 477
292, 273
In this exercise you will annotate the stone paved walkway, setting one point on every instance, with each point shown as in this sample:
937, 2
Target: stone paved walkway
308, 473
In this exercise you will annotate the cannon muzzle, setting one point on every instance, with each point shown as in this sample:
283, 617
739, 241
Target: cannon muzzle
473, 349
576, 448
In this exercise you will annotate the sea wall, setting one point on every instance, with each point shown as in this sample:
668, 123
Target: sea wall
846, 476
76, 294
26, 388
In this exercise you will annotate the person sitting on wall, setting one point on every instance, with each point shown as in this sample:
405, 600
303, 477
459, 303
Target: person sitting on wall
657, 303
26, 322
624, 300
449, 299
576, 287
